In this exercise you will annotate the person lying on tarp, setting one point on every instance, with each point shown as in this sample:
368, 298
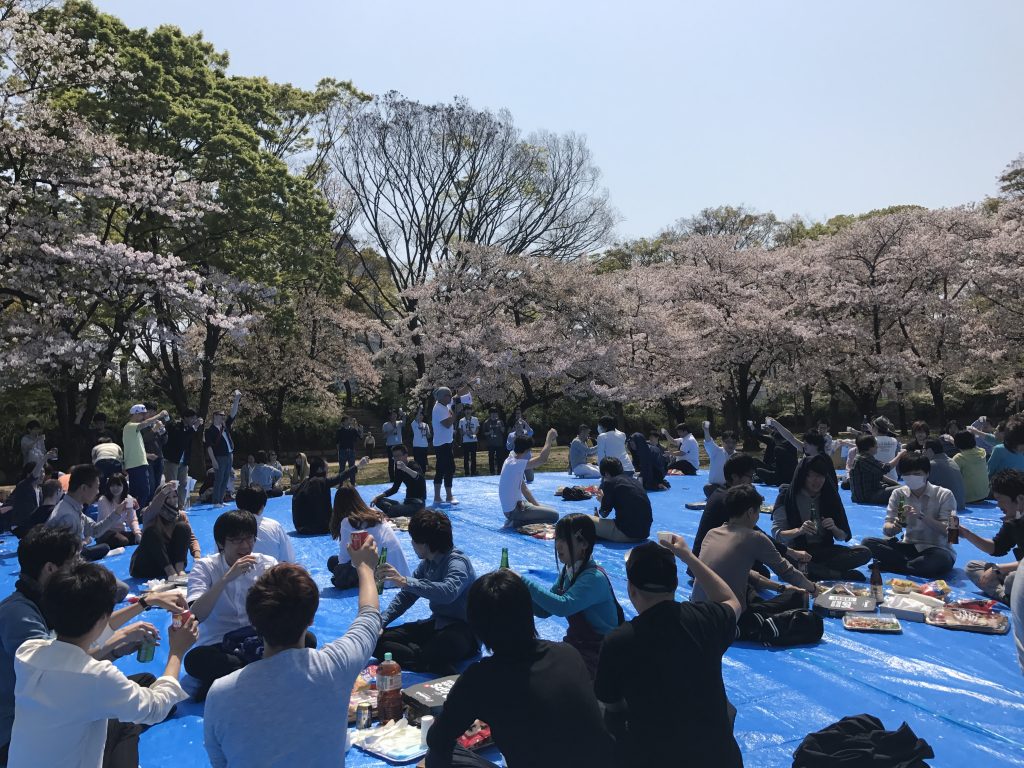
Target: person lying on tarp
582, 592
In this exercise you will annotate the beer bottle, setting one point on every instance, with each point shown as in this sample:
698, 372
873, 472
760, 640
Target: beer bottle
380, 561
901, 512
504, 558
877, 589
953, 529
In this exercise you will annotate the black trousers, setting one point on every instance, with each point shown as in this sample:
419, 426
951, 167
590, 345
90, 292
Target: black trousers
154, 553
831, 561
208, 663
897, 557
115, 539
122, 747
469, 459
393, 508
422, 456
495, 458
748, 626
444, 469
420, 647
683, 466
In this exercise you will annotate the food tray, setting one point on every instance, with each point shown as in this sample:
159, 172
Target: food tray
969, 621
869, 622
396, 742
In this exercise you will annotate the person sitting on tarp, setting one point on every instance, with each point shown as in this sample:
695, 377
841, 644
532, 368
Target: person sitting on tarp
582, 592
734, 549
271, 537
996, 581
407, 473
443, 577
717, 456
311, 501
869, 480
646, 463
923, 510
517, 502
611, 442
351, 515
535, 695
809, 515
580, 452
687, 458
944, 471
622, 494
675, 712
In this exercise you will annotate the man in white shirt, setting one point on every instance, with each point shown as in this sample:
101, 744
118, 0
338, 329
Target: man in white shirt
717, 456
517, 502
611, 443
64, 697
687, 459
271, 537
216, 592
444, 419
469, 426
311, 686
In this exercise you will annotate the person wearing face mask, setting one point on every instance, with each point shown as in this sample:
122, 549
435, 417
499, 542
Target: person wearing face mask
924, 550
163, 551
582, 593
443, 577
517, 501
809, 515
996, 581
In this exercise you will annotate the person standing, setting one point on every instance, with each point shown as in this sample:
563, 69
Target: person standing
178, 452
140, 475
420, 442
348, 435
493, 433
469, 426
443, 421
392, 431
154, 440
220, 448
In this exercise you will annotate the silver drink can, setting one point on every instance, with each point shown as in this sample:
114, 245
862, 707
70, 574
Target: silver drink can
364, 716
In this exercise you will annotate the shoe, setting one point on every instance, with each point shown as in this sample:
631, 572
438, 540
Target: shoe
452, 501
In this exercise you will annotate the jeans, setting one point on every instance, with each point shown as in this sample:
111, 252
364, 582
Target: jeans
469, 459
140, 482
225, 469
420, 647
346, 458
179, 472
526, 513
898, 557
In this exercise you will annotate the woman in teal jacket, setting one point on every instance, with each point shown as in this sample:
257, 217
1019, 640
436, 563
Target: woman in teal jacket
582, 592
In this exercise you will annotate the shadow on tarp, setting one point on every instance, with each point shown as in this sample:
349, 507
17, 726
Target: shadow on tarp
962, 692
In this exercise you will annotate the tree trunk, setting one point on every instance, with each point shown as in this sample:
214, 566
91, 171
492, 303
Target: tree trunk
277, 418
935, 386
620, 416
808, 407
348, 393
833, 406
865, 400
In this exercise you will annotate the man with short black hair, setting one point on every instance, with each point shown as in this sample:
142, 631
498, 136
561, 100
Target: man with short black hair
469, 427
944, 472
271, 538
444, 420
311, 685
64, 696
443, 577
535, 695
624, 495
178, 451
220, 448
679, 714
926, 508
83, 490
50, 494
869, 480
517, 502
611, 442
687, 455
717, 456
407, 473
347, 437
493, 433
996, 581
217, 587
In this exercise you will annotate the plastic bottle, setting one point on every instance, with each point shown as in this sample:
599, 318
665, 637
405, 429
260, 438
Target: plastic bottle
380, 561
504, 558
953, 529
877, 588
389, 690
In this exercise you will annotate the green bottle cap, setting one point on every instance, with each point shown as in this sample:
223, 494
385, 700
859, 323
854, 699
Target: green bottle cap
387, 656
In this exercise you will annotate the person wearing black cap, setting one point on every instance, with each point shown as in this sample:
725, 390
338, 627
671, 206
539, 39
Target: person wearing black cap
678, 714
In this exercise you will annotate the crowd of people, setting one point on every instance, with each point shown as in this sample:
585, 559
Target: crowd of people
242, 629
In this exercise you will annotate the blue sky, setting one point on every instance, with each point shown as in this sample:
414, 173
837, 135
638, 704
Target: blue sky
799, 107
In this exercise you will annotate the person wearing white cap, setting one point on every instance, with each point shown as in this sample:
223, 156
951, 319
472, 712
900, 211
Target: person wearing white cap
140, 476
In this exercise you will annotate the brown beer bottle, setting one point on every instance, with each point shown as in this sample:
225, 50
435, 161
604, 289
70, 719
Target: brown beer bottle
877, 588
953, 529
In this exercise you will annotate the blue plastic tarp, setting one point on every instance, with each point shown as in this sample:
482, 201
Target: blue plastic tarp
962, 692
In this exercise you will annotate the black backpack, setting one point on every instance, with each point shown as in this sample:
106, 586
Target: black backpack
575, 493
793, 627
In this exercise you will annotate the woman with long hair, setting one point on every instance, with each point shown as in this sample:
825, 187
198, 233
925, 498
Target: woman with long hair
166, 539
352, 515
582, 593
117, 501
301, 470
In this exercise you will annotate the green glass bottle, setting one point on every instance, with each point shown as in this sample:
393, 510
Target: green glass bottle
504, 558
380, 561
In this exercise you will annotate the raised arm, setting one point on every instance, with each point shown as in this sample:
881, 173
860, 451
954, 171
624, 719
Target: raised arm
542, 457
788, 436
713, 585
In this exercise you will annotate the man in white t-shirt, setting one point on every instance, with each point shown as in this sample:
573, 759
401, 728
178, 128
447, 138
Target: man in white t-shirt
469, 426
271, 537
216, 592
611, 443
444, 419
687, 459
517, 502
717, 456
